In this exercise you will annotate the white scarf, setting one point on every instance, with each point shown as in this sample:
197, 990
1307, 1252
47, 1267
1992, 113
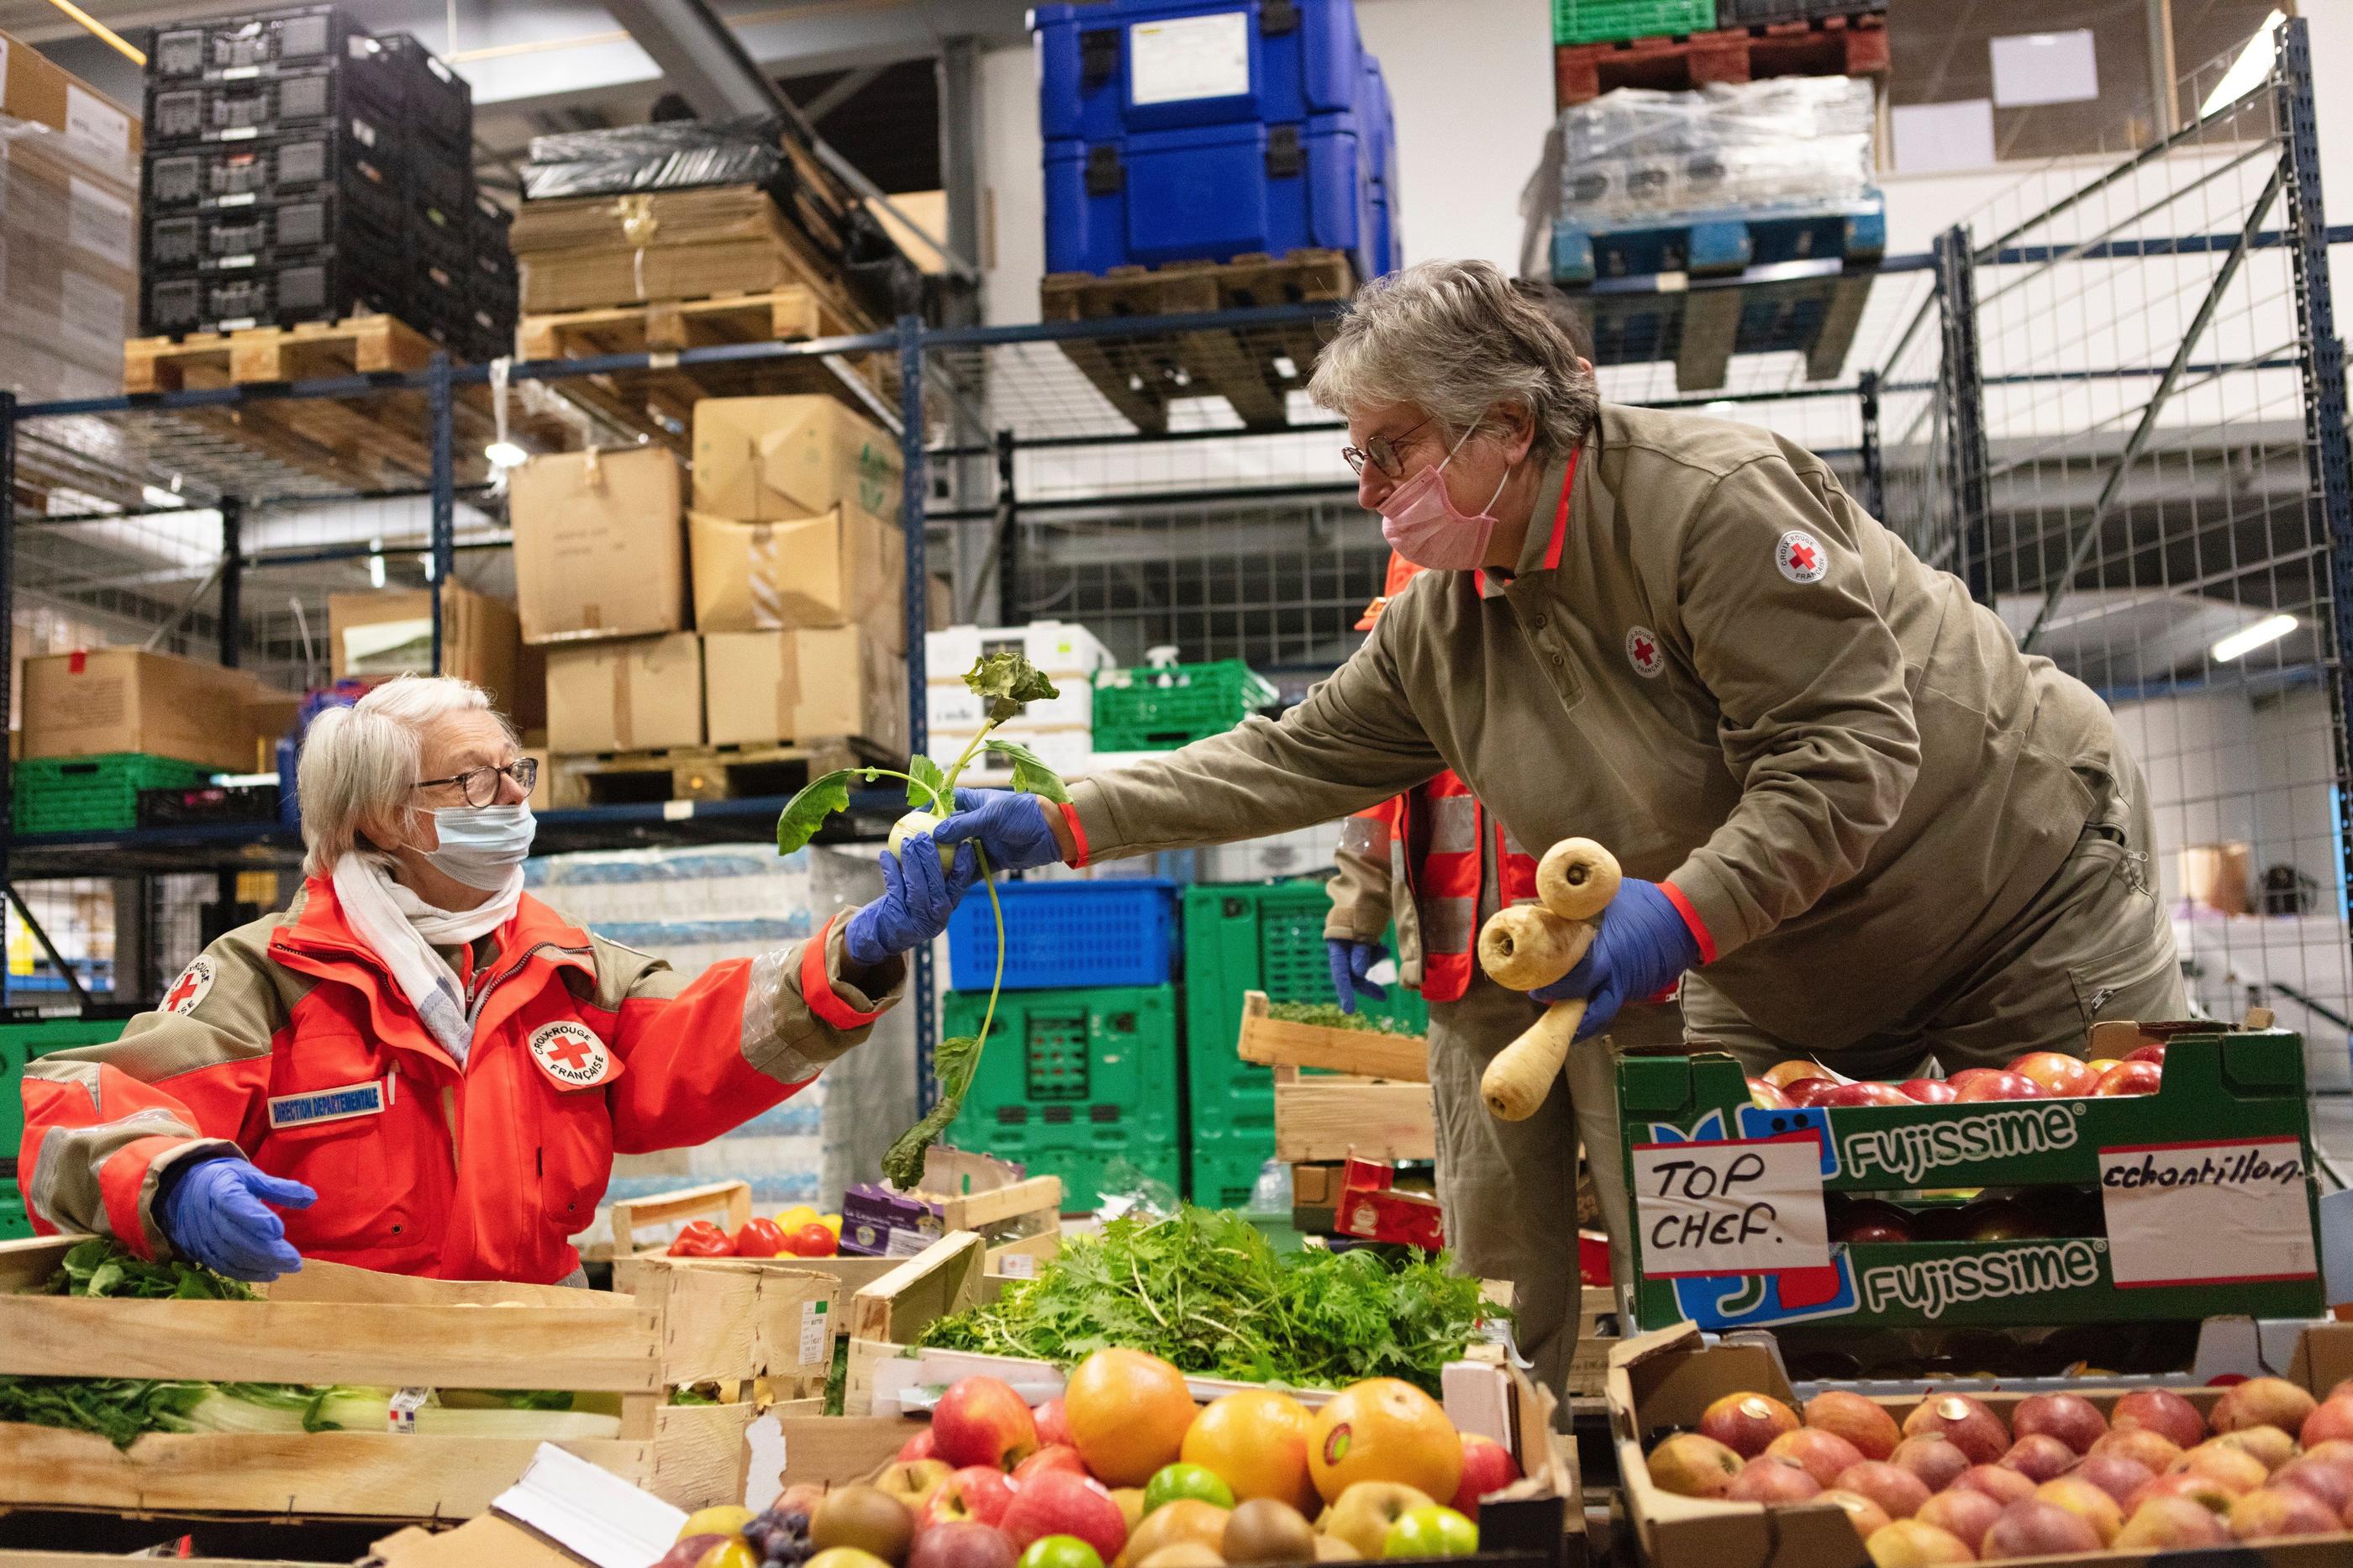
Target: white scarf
404, 930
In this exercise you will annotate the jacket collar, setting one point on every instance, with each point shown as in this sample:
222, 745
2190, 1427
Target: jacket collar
1549, 521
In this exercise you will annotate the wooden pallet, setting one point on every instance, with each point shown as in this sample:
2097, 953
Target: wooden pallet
1825, 45
356, 346
697, 772
1141, 376
660, 402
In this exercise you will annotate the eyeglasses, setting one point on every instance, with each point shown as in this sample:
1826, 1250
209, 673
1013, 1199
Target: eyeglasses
1381, 451
480, 786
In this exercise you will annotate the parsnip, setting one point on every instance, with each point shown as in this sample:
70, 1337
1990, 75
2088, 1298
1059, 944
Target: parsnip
1527, 945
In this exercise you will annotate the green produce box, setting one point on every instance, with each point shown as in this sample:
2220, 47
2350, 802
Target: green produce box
1225, 1169
1164, 707
1092, 1068
21, 1043
1607, 21
1255, 936
14, 1226
1082, 1156
93, 795
2195, 1201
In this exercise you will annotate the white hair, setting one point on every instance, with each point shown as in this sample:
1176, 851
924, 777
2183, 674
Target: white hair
360, 763
1457, 338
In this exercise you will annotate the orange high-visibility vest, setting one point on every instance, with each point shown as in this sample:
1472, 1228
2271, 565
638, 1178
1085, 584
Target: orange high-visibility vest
1437, 826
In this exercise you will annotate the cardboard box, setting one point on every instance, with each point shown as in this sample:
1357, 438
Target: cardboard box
2217, 876
635, 696
600, 551
772, 460
950, 704
844, 568
127, 699
33, 88
1057, 647
391, 633
763, 688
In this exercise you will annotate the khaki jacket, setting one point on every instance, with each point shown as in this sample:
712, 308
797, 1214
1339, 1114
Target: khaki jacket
1721, 668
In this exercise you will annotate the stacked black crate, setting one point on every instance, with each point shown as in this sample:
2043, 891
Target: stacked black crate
497, 289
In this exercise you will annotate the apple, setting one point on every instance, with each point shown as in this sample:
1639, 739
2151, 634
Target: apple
2331, 1483
2233, 1466
1995, 1085
1909, 1544
1891, 1486
2005, 1487
1866, 1094
1070, 1552
1780, 1074
2147, 1054
2141, 1445
1808, 1092
1173, 1483
1966, 1513
831, 1557
919, 1447
1432, 1531
1767, 1096
2272, 1512
2331, 1450
1999, 1219
1772, 1478
1746, 1423
2034, 1527
1823, 1454
2131, 1078
2163, 1411
912, 1481
1487, 1468
1965, 1422
1058, 1456
976, 1494
961, 1543
2171, 1524
688, 1551
2269, 1444
981, 1421
1927, 1090
1862, 1422
1861, 1512
2063, 1077
2039, 1456
2331, 1422
1053, 1424
2263, 1402
2120, 1477
1183, 1554
1060, 1502
1364, 1513
2070, 1418
1933, 1458
2204, 1490
1869, 1220
1690, 1464
2088, 1502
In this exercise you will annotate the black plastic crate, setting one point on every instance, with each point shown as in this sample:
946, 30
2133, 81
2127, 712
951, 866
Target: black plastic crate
355, 279
434, 98
249, 109
236, 236
439, 177
1755, 13
208, 802
264, 42
343, 157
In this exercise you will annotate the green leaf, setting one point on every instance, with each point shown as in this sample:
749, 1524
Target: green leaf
953, 1064
1030, 773
1007, 679
805, 812
927, 786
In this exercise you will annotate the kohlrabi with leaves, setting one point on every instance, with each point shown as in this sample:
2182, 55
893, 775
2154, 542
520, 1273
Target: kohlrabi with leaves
1006, 681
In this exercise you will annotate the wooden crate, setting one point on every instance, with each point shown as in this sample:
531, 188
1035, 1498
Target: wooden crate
330, 1323
1823, 45
697, 772
1384, 1113
1366, 1053
727, 1205
1141, 376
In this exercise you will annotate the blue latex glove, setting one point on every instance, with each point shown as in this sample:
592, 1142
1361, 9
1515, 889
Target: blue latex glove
918, 896
1010, 826
1350, 960
1642, 945
215, 1213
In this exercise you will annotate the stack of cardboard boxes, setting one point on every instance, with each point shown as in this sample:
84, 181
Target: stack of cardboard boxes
113, 700
771, 612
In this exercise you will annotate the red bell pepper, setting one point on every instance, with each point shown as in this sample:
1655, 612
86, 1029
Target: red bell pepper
760, 1238
701, 1238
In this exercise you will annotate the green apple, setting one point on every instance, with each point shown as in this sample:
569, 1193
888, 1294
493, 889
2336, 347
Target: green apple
1171, 1482
1433, 1532
1060, 1551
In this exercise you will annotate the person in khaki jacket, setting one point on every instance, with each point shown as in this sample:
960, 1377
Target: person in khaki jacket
1855, 821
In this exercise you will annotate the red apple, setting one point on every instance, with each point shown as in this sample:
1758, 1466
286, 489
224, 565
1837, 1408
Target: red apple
2131, 1078
2163, 1411
1772, 1478
2263, 1402
2005, 1487
1935, 1461
1060, 1503
1868, 1220
2269, 1444
1689, 1465
2331, 1450
2063, 1077
1993, 1085
981, 1421
2171, 1524
1824, 1453
2141, 1445
1928, 1091
2086, 1502
1053, 1424
2332, 1422
1487, 1468
1782, 1074
2032, 1527
962, 1545
1967, 1514
1862, 1422
1891, 1486
1057, 1457
2331, 1483
918, 1446
977, 1494
1851, 1094
1909, 1544
2120, 1477
1808, 1092
2233, 1466
2039, 1456
1746, 1423
2204, 1490
1861, 1512
2146, 1054
1767, 1096
2070, 1418
2274, 1512
1967, 1423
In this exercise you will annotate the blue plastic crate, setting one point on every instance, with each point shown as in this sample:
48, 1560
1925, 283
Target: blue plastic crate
1716, 243
1109, 69
1062, 934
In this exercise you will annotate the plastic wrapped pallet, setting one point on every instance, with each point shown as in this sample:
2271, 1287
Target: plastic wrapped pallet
68, 262
673, 155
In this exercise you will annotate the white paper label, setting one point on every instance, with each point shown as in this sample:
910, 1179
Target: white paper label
907, 1244
1019, 1266
1189, 57
400, 1415
817, 1332
98, 221
94, 122
1742, 1205
2208, 1214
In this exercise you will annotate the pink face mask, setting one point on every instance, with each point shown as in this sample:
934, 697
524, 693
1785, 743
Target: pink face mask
1421, 522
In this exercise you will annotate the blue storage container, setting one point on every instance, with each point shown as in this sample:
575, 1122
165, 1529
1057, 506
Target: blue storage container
1108, 70
1384, 246
1061, 934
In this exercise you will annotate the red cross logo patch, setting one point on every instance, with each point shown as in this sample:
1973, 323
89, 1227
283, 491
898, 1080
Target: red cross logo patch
1800, 556
1643, 651
191, 987
571, 1055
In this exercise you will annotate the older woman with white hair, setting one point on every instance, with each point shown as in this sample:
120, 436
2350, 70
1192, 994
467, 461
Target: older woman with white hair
417, 1067
1856, 822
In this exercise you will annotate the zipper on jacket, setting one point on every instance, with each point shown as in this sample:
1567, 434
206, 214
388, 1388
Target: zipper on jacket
484, 988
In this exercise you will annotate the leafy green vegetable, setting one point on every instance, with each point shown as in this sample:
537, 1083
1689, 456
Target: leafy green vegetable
836, 1381
953, 1064
99, 1268
927, 786
1030, 773
1205, 1290
1327, 1015
805, 812
1007, 679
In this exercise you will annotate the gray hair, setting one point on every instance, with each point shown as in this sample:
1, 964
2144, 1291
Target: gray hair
359, 764
1458, 337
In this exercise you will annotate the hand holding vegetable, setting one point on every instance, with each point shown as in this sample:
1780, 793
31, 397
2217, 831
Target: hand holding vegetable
1013, 827
216, 1213
918, 896
1641, 943
1351, 961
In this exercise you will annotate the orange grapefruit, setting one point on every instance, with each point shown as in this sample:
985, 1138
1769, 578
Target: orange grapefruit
1383, 1429
1128, 1412
1257, 1443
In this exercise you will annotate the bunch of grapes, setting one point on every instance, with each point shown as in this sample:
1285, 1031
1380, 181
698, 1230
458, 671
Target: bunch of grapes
781, 1537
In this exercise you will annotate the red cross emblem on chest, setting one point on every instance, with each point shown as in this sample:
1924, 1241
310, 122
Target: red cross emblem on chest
1798, 554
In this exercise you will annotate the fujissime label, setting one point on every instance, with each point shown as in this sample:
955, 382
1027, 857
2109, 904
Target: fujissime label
1929, 1288
1911, 1152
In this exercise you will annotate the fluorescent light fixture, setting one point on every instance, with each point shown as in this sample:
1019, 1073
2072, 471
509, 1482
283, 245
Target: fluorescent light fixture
505, 455
2253, 64
1720, 406
2246, 639
159, 498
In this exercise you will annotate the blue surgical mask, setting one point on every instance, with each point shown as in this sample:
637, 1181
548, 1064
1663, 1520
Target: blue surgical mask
482, 845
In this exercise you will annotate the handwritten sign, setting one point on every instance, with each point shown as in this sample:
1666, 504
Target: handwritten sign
2207, 1213
1741, 1206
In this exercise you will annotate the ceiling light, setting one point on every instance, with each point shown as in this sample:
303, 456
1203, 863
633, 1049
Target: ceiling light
505, 455
2246, 639
159, 498
2253, 64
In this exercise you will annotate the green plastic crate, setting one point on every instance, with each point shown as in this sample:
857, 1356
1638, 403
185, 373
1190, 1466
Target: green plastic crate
1162, 708
22, 1043
94, 794
1607, 21
1084, 1162
1256, 936
1225, 1170
1092, 1066
14, 1226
